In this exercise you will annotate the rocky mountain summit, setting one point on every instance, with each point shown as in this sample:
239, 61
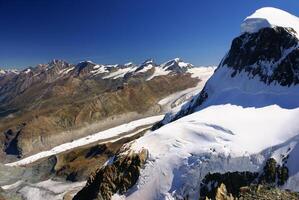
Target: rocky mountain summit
268, 55
223, 135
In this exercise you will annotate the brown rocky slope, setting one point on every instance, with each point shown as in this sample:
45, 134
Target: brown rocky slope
51, 104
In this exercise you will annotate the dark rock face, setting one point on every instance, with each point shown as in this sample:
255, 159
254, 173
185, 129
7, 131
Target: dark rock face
274, 174
236, 183
11, 141
254, 192
232, 180
270, 53
121, 175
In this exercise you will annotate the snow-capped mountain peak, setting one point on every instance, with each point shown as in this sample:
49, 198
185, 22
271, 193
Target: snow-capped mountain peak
269, 17
4, 72
176, 65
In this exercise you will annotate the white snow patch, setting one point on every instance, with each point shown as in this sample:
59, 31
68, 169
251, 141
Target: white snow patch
67, 70
99, 69
27, 71
158, 72
183, 64
145, 68
203, 73
121, 72
128, 64
112, 66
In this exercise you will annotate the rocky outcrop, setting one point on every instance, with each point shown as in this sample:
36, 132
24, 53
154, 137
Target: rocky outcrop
269, 54
254, 192
222, 193
263, 192
274, 174
246, 185
119, 176
11, 141
230, 181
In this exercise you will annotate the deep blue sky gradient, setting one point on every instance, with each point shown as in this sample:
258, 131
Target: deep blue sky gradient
119, 31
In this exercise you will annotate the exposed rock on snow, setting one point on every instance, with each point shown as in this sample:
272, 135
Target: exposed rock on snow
119, 176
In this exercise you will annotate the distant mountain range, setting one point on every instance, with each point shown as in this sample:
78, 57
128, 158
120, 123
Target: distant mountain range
39, 105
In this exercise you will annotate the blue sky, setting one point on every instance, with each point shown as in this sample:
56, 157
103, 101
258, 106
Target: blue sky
119, 31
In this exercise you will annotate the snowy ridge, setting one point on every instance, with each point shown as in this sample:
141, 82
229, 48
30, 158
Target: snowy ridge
269, 17
105, 71
172, 66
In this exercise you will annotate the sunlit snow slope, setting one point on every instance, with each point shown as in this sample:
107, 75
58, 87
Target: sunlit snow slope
244, 115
